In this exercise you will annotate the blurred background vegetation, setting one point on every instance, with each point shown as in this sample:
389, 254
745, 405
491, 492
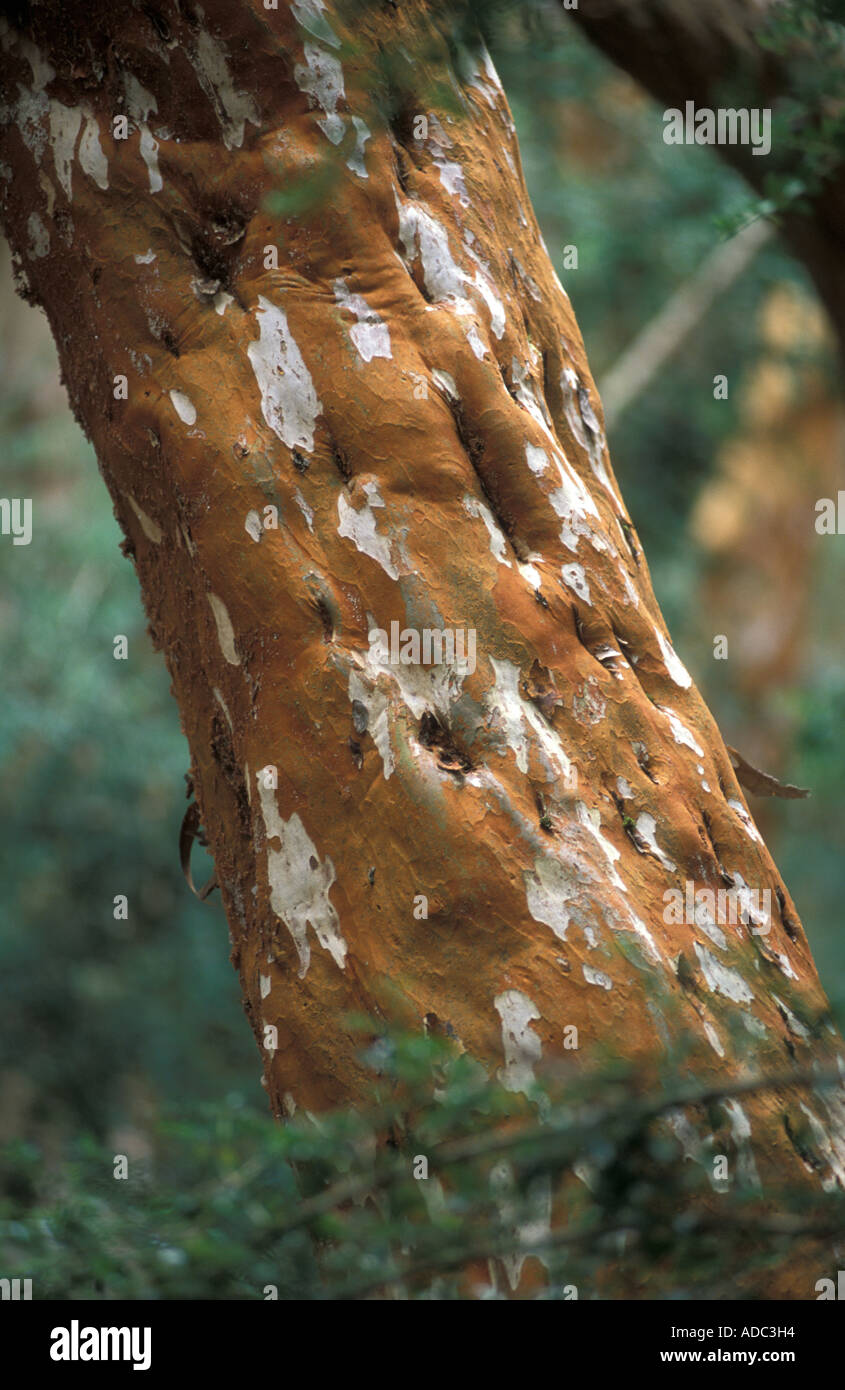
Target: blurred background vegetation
108, 1026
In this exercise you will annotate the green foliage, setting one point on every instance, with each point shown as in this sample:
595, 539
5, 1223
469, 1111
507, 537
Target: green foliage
340, 1209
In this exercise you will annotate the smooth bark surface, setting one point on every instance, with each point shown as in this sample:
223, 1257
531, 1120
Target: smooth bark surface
409, 391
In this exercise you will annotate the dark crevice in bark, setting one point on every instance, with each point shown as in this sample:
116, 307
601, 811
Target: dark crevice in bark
340, 461
434, 736
628, 532
511, 390
628, 824
789, 926
803, 1151
644, 762
473, 446
326, 618
726, 878
158, 21
168, 340
403, 167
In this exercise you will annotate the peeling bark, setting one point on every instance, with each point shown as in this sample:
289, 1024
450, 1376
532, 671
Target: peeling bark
409, 392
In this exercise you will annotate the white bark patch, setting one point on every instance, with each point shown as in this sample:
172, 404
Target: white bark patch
525, 1233
370, 334
522, 1047
584, 425
536, 458
721, 979
676, 668
591, 821
311, 14
571, 501
474, 340
140, 104
299, 884
575, 578
597, 977
421, 234
184, 407
680, 732
289, 402
421, 688
355, 162
714, 1040
748, 824
642, 931
141, 361
150, 528
630, 591
64, 128
705, 920
490, 88
445, 382
741, 1132
527, 397
91, 157
307, 512
225, 631
376, 704
833, 1152
147, 258
221, 301
232, 106
498, 543
494, 304
28, 113
752, 905
47, 188
517, 716
452, 179
264, 985
39, 237
321, 79
646, 827
451, 174
42, 71
548, 891
218, 695
795, 1024
253, 526
360, 528
530, 574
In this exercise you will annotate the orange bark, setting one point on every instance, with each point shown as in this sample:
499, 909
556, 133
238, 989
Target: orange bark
409, 391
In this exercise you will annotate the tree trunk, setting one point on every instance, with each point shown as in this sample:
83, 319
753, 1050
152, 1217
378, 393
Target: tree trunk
484, 846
